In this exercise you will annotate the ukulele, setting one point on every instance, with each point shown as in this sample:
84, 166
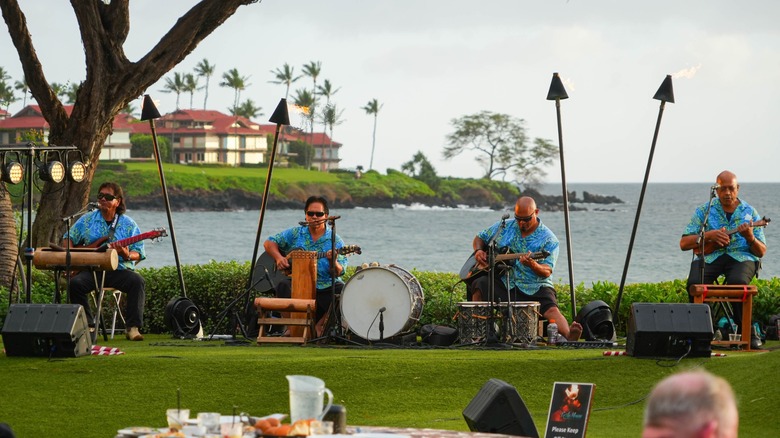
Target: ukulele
709, 247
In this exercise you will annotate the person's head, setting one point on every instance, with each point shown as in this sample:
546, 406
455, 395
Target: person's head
316, 208
525, 213
112, 190
691, 404
728, 189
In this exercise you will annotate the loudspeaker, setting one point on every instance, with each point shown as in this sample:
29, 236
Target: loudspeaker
596, 320
498, 408
669, 330
439, 335
49, 330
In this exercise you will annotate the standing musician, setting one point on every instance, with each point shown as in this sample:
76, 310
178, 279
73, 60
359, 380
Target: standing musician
314, 235
110, 221
528, 279
737, 257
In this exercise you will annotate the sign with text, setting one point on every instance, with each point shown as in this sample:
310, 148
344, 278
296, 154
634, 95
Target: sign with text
569, 409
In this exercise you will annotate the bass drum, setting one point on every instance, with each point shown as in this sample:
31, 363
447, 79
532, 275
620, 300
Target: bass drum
373, 288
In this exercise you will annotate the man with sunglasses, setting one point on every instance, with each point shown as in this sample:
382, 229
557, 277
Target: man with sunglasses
313, 234
110, 221
731, 244
529, 278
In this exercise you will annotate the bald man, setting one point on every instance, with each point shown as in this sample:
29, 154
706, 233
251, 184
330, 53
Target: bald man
693, 404
732, 246
530, 278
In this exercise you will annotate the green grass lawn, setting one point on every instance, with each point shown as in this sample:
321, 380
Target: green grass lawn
95, 396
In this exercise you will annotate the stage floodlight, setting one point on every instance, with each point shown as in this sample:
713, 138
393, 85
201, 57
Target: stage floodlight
77, 171
13, 172
53, 171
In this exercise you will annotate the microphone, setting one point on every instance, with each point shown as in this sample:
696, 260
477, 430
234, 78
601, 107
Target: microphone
333, 218
715, 187
93, 205
505, 217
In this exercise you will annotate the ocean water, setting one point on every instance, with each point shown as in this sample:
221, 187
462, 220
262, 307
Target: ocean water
439, 239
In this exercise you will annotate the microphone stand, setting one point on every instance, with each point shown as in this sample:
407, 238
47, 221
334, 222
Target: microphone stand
67, 221
333, 328
701, 234
491, 262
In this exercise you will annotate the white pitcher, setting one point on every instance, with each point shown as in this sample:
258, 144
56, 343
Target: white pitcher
306, 398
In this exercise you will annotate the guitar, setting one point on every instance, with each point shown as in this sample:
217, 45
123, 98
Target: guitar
709, 247
102, 245
470, 271
266, 261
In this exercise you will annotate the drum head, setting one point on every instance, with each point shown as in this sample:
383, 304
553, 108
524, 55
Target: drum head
366, 293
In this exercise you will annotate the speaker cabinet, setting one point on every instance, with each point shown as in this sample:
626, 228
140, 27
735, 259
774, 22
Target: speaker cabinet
49, 330
669, 330
498, 408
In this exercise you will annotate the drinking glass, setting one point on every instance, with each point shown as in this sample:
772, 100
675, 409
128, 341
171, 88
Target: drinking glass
177, 418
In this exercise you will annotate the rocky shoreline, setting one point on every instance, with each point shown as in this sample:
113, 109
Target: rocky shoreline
232, 199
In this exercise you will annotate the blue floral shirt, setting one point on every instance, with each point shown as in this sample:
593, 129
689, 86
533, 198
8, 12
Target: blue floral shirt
511, 239
300, 238
738, 247
92, 227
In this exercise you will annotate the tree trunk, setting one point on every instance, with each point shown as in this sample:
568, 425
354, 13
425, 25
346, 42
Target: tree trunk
112, 81
9, 245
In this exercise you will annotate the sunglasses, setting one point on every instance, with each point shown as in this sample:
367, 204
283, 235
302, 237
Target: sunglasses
315, 213
524, 218
106, 196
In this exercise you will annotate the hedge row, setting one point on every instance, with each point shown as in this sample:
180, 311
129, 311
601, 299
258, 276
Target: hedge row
214, 286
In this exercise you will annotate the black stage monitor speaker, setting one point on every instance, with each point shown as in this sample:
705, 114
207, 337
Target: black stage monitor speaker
669, 330
49, 330
596, 320
498, 408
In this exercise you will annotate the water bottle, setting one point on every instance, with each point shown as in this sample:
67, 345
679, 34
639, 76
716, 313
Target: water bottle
552, 332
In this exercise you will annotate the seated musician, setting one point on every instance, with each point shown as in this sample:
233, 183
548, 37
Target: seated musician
315, 235
109, 221
732, 246
528, 279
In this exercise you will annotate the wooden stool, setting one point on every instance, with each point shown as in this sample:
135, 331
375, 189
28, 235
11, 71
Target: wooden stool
730, 293
292, 305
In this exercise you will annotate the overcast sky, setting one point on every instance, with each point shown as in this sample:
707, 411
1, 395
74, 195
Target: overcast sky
429, 62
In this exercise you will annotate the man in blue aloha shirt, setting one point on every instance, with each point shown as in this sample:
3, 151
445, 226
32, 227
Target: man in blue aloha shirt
731, 245
315, 235
110, 221
528, 279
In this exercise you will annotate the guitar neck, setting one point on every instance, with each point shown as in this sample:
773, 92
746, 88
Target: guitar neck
534, 255
761, 223
131, 240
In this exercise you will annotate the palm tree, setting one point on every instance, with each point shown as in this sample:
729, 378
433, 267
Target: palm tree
285, 75
72, 92
22, 86
7, 96
312, 70
330, 117
232, 79
306, 102
175, 85
247, 109
326, 89
204, 69
59, 90
373, 107
190, 85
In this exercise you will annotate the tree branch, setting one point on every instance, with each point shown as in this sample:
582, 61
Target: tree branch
50, 105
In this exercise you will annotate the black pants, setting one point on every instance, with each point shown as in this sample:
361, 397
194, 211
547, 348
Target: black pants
323, 297
734, 271
129, 282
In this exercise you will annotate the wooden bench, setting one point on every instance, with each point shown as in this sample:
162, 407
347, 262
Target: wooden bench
291, 305
730, 293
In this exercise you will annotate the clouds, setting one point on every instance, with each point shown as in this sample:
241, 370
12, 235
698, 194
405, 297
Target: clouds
433, 61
